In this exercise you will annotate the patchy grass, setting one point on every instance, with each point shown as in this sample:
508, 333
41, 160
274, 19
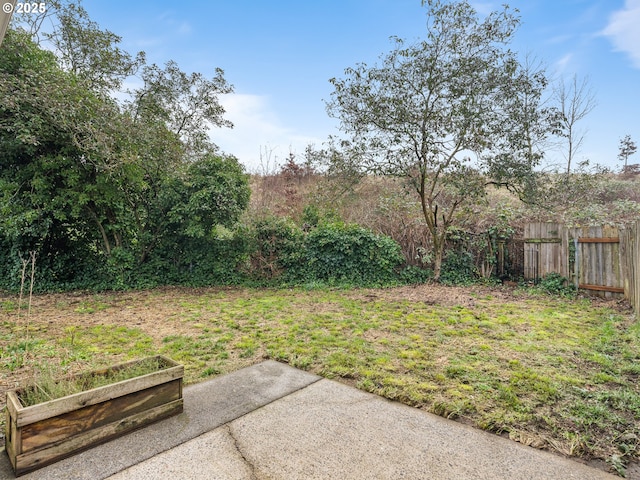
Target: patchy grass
550, 372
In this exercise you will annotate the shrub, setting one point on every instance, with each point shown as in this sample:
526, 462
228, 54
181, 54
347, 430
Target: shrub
342, 253
412, 274
458, 268
276, 247
556, 284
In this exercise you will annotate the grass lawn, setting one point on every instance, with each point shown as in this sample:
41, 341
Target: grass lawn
550, 372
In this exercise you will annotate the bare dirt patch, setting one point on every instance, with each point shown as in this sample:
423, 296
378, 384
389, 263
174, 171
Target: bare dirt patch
433, 294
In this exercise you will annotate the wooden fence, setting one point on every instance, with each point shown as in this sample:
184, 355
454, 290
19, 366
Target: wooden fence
630, 251
544, 250
598, 265
604, 260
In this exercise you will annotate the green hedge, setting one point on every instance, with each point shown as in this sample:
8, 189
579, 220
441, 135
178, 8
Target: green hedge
339, 253
271, 251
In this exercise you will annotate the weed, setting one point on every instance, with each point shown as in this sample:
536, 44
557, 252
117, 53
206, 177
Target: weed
210, 371
556, 284
47, 387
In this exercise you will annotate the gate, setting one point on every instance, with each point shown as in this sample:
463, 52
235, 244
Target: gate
598, 263
544, 250
589, 257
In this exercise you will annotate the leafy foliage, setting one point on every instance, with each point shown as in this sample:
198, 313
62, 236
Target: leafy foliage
421, 112
331, 253
556, 284
277, 246
82, 48
110, 195
187, 104
458, 268
341, 253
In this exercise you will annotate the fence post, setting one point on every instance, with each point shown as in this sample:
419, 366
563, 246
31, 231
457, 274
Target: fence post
576, 262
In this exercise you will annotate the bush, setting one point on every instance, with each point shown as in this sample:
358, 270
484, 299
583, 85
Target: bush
556, 284
217, 259
412, 274
276, 247
458, 268
272, 250
342, 253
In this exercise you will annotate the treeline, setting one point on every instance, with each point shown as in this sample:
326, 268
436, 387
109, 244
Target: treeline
105, 193
300, 193
107, 188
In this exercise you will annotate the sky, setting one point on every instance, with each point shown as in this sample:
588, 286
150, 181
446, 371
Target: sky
279, 55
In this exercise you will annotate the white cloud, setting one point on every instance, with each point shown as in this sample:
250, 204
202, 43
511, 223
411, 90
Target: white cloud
623, 30
484, 8
561, 64
257, 128
184, 28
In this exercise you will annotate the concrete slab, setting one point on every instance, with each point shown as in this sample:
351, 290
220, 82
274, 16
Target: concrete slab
212, 456
207, 405
328, 430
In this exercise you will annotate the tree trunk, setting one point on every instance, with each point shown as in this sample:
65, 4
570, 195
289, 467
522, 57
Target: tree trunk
105, 238
437, 260
431, 217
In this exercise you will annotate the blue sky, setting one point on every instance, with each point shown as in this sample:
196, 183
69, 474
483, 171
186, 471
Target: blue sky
280, 55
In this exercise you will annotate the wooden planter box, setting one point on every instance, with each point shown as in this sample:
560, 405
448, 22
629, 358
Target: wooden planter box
47, 432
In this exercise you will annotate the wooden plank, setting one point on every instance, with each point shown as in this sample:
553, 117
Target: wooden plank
51, 430
598, 268
614, 272
529, 261
39, 458
13, 403
13, 439
601, 288
632, 262
595, 251
630, 251
599, 239
576, 263
634, 266
622, 252
564, 251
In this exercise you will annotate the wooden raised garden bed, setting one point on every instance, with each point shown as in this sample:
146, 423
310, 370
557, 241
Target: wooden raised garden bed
43, 433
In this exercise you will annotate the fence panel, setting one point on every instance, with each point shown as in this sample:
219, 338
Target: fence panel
543, 250
630, 253
598, 265
603, 260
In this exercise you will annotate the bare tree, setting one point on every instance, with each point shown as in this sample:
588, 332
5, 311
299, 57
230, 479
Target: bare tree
575, 100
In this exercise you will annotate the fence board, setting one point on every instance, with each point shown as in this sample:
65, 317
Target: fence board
630, 261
